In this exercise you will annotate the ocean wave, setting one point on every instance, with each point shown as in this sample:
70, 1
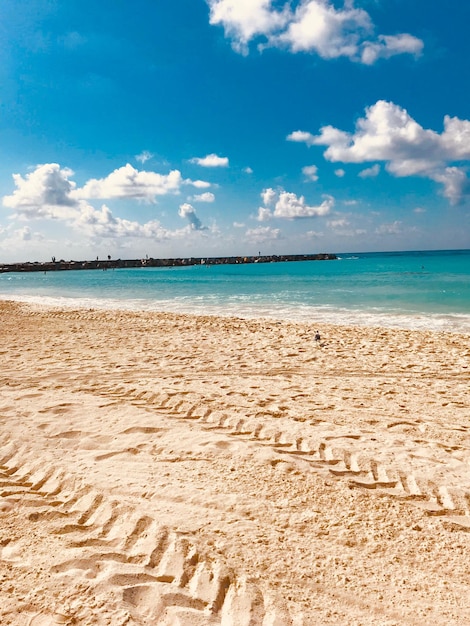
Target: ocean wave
458, 323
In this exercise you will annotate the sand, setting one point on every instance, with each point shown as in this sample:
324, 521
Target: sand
176, 470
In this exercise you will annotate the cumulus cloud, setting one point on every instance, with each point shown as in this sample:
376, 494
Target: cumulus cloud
101, 223
340, 172
127, 182
211, 160
310, 172
301, 136
187, 211
245, 19
264, 214
370, 172
292, 207
262, 234
312, 26
49, 193
316, 26
288, 205
43, 193
268, 196
455, 181
388, 133
203, 197
199, 184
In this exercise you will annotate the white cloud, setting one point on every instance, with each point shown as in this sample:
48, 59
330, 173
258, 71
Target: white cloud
301, 136
48, 193
244, 19
102, 223
248, 170
264, 214
389, 45
20, 240
144, 156
388, 133
127, 182
312, 26
199, 184
187, 211
310, 172
419, 210
289, 206
43, 193
203, 197
292, 207
455, 181
262, 234
370, 172
211, 160
340, 172
316, 26
268, 195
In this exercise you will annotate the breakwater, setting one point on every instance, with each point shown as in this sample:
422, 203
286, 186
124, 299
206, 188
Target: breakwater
105, 264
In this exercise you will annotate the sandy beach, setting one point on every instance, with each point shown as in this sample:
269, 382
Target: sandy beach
176, 470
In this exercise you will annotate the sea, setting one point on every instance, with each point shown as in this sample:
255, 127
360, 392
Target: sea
428, 290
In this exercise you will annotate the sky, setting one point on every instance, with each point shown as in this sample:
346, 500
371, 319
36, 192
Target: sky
232, 127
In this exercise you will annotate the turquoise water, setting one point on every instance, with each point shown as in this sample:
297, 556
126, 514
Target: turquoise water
404, 289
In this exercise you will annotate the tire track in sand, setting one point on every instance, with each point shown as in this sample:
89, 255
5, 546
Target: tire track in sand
427, 473
160, 575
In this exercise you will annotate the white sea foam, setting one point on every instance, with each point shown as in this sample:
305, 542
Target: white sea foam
302, 313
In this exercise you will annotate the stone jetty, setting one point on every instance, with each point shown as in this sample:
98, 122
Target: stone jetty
104, 264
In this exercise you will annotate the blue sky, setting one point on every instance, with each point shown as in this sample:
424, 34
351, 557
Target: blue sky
227, 127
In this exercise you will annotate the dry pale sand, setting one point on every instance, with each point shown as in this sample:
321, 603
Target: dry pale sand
170, 470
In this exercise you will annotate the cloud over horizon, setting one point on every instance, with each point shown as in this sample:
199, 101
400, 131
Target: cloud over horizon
48, 193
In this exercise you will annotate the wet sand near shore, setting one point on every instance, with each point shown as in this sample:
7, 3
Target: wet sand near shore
178, 470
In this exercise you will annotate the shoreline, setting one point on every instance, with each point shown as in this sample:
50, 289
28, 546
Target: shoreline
163, 468
433, 322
